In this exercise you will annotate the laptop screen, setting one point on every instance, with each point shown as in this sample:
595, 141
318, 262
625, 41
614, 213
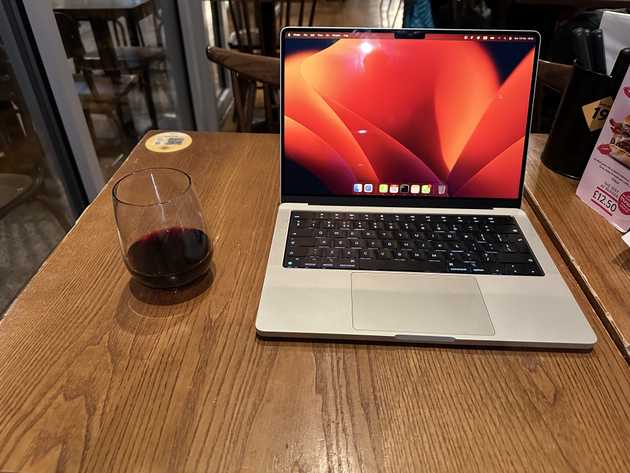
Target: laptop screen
442, 115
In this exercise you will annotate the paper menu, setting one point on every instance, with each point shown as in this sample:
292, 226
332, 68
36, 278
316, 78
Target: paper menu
616, 28
605, 184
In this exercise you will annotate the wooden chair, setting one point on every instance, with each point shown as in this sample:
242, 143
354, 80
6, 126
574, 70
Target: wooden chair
100, 93
246, 71
551, 76
248, 23
22, 172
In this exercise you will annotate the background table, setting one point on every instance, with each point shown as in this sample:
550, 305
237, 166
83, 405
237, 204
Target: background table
101, 375
591, 247
99, 13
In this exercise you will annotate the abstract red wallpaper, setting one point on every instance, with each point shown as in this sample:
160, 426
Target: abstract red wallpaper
449, 113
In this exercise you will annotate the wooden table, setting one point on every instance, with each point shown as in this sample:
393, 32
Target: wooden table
101, 375
592, 248
99, 13
587, 4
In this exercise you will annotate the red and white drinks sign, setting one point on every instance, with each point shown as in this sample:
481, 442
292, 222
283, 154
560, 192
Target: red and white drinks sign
605, 184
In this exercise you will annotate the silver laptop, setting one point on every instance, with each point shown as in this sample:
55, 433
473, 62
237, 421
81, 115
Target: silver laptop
403, 155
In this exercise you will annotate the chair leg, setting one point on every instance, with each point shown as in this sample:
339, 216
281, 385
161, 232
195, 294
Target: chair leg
238, 101
148, 96
268, 107
90, 123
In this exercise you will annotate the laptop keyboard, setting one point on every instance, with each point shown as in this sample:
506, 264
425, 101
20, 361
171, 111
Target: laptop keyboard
427, 243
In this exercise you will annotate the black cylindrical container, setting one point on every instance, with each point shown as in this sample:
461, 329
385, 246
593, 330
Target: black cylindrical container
571, 141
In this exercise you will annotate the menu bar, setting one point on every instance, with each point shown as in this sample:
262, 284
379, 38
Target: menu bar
390, 35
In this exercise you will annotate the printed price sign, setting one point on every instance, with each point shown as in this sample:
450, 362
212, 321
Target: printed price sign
605, 184
595, 113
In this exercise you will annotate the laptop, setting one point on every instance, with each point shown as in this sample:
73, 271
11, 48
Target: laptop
402, 164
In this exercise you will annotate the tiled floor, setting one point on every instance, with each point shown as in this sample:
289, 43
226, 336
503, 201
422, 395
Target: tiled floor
27, 236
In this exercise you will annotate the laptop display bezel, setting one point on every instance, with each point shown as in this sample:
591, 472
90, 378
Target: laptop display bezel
407, 201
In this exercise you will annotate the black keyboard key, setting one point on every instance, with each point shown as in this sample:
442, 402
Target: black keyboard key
298, 251
437, 255
347, 263
367, 254
424, 245
376, 225
292, 262
522, 269
419, 255
353, 243
390, 265
349, 253
303, 224
340, 243
478, 268
322, 242
328, 263
312, 262
302, 242
514, 238
375, 244
494, 268
302, 232
331, 252
515, 258
385, 254
339, 233
506, 229
457, 267
392, 244
369, 234
344, 224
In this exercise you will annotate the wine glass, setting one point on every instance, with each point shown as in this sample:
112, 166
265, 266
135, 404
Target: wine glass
161, 227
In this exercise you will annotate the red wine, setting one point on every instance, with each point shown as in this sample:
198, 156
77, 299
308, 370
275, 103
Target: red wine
170, 257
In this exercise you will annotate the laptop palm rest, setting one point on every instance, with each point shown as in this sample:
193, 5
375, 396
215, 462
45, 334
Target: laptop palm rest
419, 303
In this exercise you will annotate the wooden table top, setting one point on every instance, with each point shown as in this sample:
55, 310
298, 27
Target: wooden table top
578, 3
101, 375
593, 249
98, 5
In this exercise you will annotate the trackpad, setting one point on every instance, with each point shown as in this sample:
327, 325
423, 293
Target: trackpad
419, 303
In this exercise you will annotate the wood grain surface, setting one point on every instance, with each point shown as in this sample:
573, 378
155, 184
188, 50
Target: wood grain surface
592, 248
100, 375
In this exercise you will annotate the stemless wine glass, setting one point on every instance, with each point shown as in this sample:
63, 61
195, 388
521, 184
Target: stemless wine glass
161, 228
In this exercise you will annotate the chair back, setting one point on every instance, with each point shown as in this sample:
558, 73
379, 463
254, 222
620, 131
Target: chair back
246, 71
71, 37
288, 8
250, 25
